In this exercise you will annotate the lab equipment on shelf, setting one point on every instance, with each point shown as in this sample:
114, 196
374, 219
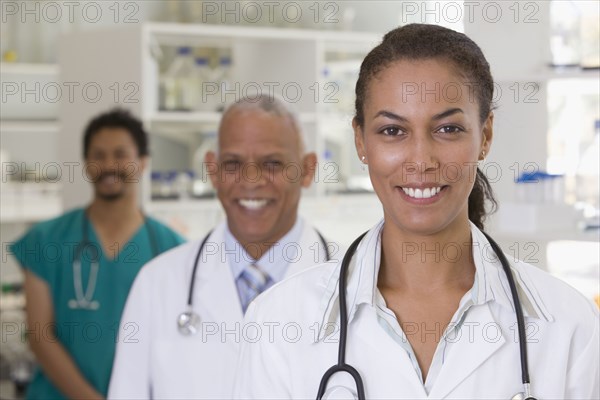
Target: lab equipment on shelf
539, 206
540, 187
184, 184
177, 91
201, 77
200, 83
163, 185
180, 185
565, 37
588, 175
222, 76
17, 358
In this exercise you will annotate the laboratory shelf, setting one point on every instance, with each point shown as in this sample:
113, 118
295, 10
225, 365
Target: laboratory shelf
548, 74
28, 69
192, 34
185, 117
25, 126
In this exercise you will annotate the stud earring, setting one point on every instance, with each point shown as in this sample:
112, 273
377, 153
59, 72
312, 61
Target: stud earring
363, 158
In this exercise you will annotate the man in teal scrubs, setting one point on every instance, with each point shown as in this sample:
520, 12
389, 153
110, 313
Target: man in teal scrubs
79, 267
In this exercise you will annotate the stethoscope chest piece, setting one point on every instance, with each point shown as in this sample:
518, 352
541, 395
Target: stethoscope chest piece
340, 393
188, 322
522, 396
83, 304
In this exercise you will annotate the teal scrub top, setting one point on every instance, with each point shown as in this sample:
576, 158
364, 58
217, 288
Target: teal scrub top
88, 333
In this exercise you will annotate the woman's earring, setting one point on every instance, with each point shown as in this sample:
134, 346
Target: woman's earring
363, 159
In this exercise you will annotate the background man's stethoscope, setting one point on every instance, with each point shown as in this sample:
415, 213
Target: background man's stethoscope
83, 299
341, 366
188, 321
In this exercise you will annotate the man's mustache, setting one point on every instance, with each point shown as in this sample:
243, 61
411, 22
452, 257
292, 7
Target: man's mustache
118, 175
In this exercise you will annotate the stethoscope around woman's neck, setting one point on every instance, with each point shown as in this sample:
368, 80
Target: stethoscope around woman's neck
342, 366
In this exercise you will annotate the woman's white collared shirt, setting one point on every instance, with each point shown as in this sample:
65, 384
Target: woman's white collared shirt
477, 356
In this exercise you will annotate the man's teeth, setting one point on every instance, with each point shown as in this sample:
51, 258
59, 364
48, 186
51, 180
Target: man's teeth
109, 179
422, 193
253, 204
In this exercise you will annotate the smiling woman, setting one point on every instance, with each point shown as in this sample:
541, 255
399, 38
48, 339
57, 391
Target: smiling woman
425, 304
422, 153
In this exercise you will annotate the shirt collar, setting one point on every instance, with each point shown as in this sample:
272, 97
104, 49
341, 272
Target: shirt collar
491, 278
274, 262
490, 284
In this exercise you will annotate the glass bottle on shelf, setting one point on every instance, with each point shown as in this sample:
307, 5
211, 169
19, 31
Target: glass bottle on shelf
173, 11
202, 186
588, 176
184, 184
223, 77
565, 37
177, 93
590, 34
202, 73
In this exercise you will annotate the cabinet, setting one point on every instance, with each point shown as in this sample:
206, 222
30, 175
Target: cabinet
29, 189
28, 126
122, 68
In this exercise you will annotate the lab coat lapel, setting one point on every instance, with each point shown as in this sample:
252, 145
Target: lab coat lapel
311, 254
216, 292
478, 340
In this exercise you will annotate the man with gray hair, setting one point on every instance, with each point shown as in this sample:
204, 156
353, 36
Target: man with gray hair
182, 325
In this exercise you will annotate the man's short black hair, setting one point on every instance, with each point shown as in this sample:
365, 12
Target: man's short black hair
117, 118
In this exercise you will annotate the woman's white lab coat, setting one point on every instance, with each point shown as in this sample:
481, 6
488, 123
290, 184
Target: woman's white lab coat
481, 363
153, 360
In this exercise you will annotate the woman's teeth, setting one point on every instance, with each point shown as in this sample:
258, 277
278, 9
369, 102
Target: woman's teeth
422, 193
253, 204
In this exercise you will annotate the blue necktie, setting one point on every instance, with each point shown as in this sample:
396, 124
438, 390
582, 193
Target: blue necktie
252, 282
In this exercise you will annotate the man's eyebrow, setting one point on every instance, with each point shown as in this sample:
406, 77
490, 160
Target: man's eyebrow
229, 155
275, 154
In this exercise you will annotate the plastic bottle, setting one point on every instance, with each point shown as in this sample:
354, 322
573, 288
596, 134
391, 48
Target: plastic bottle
156, 179
224, 74
184, 184
176, 82
565, 39
202, 74
588, 174
170, 185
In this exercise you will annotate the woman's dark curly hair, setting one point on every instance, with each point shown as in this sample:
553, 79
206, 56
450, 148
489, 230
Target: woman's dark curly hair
423, 42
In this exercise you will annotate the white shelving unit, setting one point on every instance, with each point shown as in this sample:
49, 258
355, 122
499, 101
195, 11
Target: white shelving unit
32, 126
29, 115
17, 68
263, 56
28, 131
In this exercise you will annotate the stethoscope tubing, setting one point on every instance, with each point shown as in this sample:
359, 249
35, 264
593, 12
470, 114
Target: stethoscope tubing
518, 309
84, 298
86, 240
196, 262
341, 366
199, 253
